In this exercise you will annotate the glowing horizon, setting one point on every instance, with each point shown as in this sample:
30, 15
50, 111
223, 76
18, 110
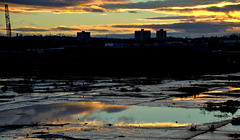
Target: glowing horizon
106, 17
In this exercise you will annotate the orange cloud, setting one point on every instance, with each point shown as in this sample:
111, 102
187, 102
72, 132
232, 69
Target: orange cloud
220, 12
94, 29
59, 6
203, 26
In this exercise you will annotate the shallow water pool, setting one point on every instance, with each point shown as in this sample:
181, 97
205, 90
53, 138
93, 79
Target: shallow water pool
97, 112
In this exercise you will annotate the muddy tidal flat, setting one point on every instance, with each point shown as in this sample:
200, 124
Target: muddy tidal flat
191, 107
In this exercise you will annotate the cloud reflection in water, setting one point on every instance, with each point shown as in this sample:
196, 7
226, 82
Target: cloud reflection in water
55, 113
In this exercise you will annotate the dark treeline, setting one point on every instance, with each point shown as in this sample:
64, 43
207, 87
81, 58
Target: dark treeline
95, 59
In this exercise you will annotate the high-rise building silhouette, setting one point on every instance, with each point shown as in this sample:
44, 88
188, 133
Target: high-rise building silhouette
142, 35
161, 34
83, 36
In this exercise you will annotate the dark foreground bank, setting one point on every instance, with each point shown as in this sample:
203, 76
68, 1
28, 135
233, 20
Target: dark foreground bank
120, 62
65, 56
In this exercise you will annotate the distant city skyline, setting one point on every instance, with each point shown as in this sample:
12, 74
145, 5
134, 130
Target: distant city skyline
121, 18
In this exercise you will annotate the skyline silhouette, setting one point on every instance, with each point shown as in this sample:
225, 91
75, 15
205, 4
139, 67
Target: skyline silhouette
119, 69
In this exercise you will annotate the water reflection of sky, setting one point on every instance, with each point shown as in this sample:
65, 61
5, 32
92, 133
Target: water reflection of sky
193, 97
207, 94
61, 112
105, 113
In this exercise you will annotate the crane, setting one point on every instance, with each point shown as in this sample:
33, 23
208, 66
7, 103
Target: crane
8, 24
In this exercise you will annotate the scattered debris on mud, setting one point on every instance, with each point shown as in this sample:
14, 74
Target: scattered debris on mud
218, 94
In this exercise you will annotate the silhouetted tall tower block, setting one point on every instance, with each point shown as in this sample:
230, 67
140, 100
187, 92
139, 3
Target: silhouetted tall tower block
161, 34
8, 24
83, 36
142, 35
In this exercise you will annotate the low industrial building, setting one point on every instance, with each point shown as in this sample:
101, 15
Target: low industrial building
230, 42
114, 45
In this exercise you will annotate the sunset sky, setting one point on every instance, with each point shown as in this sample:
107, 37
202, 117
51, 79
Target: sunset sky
120, 18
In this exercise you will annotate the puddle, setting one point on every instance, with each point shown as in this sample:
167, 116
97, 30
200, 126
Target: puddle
119, 115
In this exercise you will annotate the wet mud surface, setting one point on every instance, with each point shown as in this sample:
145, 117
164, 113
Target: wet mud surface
94, 107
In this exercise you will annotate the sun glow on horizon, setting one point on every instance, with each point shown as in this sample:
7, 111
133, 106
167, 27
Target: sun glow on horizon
70, 17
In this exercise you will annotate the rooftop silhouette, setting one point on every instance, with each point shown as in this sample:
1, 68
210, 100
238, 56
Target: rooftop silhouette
105, 56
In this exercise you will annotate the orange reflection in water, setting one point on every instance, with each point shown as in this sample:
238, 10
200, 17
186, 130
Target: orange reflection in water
225, 89
86, 126
83, 109
57, 113
100, 127
122, 124
233, 88
90, 107
205, 94
194, 97
156, 124
214, 91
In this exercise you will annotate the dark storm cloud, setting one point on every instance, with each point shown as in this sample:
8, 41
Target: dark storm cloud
133, 12
60, 3
55, 29
30, 29
228, 8
95, 10
98, 30
165, 3
49, 3
60, 28
16, 12
197, 27
181, 18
